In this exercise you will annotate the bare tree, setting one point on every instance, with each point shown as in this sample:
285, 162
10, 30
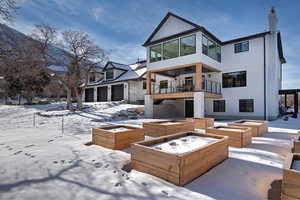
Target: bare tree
82, 57
78, 57
8, 9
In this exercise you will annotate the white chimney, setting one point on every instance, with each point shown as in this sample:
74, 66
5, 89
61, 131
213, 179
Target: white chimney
273, 21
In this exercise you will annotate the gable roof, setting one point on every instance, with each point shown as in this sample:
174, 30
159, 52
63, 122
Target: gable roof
246, 38
209, 34
195, 28
117, 66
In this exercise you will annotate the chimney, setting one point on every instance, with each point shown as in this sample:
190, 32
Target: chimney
273, 21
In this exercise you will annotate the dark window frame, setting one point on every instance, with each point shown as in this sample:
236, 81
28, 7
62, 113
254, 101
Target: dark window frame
163, 84
243, 107
144, 84
219, 106
109, 71
164, 46
195, 45
157, 58
235, 80
212, 49
240, 47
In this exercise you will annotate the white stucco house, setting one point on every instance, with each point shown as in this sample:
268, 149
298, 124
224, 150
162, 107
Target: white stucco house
204, 76
117, 82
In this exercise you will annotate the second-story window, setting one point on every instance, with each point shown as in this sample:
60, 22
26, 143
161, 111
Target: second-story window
235, 79
155, 53
211, 49
241, 47
188, 45
109, 74
171, 49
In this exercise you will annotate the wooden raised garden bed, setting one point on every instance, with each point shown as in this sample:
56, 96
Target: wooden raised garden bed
167, 127
258, 128
296, 144
202, 123
181, 157
237, 136
290, 189
117, 137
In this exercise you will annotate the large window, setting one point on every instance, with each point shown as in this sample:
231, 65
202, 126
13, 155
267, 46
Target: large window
144, 85
163, 84
211, 49
241, 47
219, 106
109, 74
171, 49
246, 105
235, 79
155, 53
188, 45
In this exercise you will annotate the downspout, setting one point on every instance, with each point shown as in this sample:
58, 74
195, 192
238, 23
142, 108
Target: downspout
265, 95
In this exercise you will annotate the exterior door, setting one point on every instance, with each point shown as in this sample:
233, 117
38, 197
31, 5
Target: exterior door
117, 92
189, 108
89, 94
102, 94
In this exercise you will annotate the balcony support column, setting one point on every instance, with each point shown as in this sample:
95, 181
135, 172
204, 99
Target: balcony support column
198, 77
148, 83
198, 104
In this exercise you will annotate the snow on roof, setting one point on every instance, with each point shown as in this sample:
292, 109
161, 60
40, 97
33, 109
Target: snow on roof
120, 66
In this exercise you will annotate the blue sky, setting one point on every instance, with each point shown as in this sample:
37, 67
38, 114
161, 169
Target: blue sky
121, 26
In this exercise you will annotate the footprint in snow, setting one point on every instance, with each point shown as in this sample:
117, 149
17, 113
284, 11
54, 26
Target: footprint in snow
164, 192
10, 149
118, 184
106, 166
2, 144
50, 140
144, 184
55, 162
31, 145
98, 165
27, 154
62, 161
32, 156
16, 153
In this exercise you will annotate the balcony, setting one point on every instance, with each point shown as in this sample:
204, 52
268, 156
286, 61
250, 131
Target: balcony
182, 81
185, 89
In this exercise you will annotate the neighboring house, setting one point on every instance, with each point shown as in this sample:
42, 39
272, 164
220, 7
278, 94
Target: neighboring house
118, 82
239, 78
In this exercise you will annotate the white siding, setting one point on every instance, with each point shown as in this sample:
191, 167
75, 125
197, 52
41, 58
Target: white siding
172, 26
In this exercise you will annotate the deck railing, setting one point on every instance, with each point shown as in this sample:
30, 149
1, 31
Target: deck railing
179, 86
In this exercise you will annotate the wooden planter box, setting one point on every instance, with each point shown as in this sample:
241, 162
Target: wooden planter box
290, 189
296, 146
258, 128
181, 168
202, 123
117, 137
168, 127
237, 136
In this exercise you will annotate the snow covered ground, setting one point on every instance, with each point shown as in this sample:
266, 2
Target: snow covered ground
44, 162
